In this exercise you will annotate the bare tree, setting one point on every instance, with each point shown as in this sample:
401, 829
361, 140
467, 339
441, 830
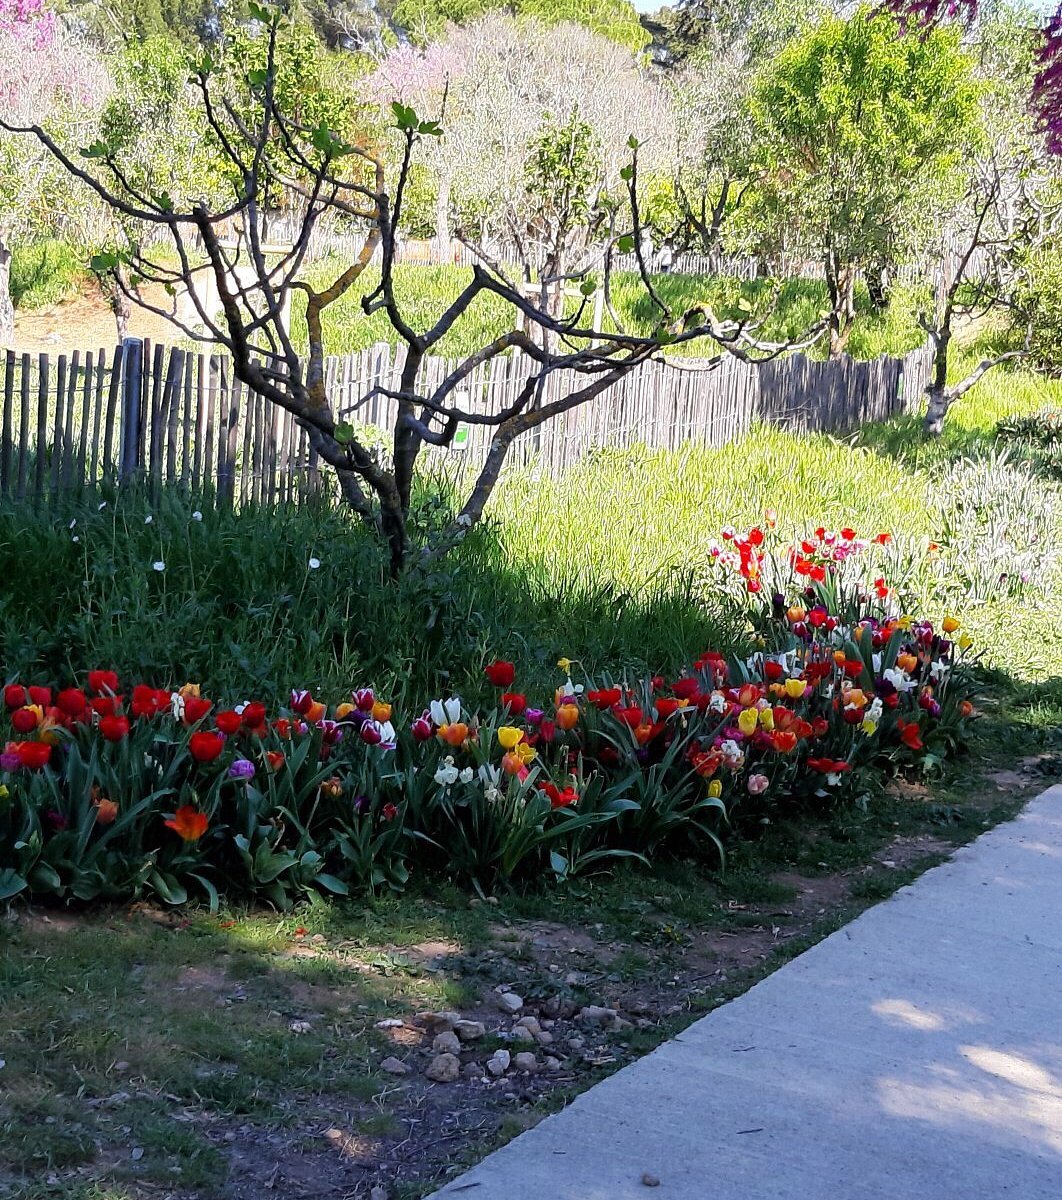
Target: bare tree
266, 153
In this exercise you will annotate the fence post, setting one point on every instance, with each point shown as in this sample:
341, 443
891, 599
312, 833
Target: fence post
132, 366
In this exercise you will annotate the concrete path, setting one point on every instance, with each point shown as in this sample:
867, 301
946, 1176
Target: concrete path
915, 1054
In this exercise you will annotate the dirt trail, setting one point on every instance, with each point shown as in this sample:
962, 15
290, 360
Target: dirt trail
85, 322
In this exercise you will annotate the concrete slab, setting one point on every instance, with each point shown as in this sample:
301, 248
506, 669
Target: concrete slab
916, 1053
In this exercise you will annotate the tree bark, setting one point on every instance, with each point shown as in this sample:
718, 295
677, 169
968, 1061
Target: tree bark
7, 307
878, 285
937, 391
443, 236
840, 283
121, 306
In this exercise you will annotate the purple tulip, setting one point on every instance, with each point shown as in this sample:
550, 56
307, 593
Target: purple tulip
242, 768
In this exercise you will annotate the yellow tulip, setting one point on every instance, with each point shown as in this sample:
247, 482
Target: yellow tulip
189, 689
869, 727
965, 642
748, 719
795, 688
767, 718
509, 736
524, 752
715, 788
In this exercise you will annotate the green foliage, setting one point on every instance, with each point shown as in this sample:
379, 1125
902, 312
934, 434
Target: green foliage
1041, 297
855, 128
46, 273
426, 20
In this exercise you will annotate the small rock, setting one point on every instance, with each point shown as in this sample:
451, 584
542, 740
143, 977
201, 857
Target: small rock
594, 1014
121, 1066
544, 1037
446, 1043
650, 1180
553, 1065
510, 1002
440, 1022
552, 1006
522, 1034
390, 1023
318, 939
577, 1043
547, 1024
621, 1023
493, 901
469, 1031
137, 1154
300, 1026
530, 1023
526, 1062
472, 1070
378, 1193
394, 1066
444, 1068
498, 1063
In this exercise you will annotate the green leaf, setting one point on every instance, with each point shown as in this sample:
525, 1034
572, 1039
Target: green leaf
430, 129
625, 244
163, 200
588, 287
332, 884
405, 117
103, 263
11, 883
98, 149
258, 77
633, 142
626, 173
344, 433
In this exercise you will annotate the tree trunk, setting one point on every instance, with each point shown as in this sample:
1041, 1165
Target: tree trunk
878, 285
443, 237
7, 307
840, 282
120, 306
937, 391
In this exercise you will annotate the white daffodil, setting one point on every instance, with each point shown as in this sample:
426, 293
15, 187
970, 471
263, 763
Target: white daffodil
938, 670
197, 515
467, 775
833, 779
875, 709
446, 773
717, 702
445, 712
898, 679
314, 563
875, 663
159, 566
733, 756
177, 706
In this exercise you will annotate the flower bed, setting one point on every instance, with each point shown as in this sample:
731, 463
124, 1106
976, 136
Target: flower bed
112, 791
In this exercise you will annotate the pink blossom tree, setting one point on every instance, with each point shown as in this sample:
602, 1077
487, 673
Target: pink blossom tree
48, 77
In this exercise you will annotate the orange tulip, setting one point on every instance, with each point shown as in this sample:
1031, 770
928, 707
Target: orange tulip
316, 712
568, 716
907, 662
381, 712
455, 734
106, 812
188, 823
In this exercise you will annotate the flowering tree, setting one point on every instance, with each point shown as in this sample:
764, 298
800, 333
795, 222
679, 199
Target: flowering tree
269, 152
46, 76
530, 159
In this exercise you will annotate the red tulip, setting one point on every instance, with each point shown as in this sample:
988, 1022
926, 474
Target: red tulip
103, 681
783, 740
149, 701
72, 702
195, 709
301, 702
500, 673
33, 755
114, 728
205, 747
253, 715
364, 699
631, 716
229, 721
25, 720
422, 729
15, 695
665, 707
773, 670
41, 696
516, 702
104, 706
605, 698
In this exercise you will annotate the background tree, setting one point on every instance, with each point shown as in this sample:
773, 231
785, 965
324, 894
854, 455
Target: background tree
853, 127
48, 76
272, 152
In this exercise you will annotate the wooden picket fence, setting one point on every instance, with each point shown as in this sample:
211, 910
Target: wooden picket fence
180, 419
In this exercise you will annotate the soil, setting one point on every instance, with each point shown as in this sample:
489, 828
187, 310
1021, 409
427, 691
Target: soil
85, 322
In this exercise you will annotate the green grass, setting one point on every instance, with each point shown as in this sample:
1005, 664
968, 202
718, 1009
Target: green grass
46, 273
424, 292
